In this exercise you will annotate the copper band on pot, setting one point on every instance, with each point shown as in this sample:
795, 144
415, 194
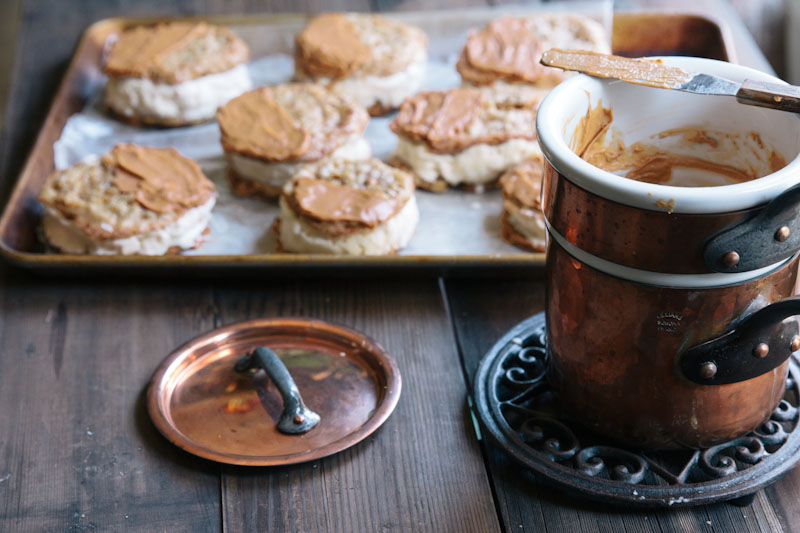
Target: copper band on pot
657, 241
660, 279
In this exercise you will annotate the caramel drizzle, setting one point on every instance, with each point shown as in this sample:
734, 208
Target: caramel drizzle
143, 48
160, 180
255, 123
329, 201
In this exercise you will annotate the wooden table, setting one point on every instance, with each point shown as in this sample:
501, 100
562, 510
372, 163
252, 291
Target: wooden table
78, 452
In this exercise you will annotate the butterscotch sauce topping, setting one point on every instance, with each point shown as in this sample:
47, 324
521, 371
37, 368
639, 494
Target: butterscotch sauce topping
341, 45
653, 164
175, 52
160, 180
330, 46
507, 48
523, 183
334, 202
653, 73
256, 124
345, 195
452, 120
439, 117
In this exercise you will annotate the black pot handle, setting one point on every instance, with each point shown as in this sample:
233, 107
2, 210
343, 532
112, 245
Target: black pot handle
755, 346
765, 239
296, 417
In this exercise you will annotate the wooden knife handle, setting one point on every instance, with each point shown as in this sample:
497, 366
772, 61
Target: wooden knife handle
774, 95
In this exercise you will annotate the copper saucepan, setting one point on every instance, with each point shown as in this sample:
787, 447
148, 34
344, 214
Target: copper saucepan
669, 317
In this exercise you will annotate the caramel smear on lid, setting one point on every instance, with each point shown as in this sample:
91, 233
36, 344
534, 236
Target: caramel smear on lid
507, 48
331, 46
160, 179
175, 52
652, 73
256, 124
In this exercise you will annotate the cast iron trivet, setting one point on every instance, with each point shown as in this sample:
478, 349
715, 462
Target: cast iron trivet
519, 411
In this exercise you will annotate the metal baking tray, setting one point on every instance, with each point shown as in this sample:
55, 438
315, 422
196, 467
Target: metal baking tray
634, 34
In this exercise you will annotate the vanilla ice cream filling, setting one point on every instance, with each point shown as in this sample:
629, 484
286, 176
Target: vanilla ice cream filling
183, 233
298, 236
478, 164
277, 174
189, 101
527, 222
387, 91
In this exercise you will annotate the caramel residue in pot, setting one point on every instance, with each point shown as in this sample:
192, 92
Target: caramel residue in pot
175, 52
591, 127
331, 46
692, 135
651, 164
776, 161
254, 123
504, 49
653, 73
330, 201
160, 179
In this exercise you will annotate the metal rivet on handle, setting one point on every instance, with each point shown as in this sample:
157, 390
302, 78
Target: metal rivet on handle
731, 259
783, 233
299, 419
708, 370
795, 343
761, 350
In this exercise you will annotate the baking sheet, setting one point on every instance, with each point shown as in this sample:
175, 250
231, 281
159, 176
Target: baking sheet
451, 224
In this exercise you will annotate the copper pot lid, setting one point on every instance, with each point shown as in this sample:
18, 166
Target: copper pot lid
203, 404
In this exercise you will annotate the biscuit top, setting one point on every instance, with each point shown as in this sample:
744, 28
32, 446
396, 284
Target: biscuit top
131, 190
338, 45
510, 48
523, 183
289, 122
452, 120
175, 52
365, 192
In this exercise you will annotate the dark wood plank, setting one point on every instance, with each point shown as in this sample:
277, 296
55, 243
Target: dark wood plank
422, 471
77, 449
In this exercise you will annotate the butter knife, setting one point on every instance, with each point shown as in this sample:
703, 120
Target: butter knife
654, 73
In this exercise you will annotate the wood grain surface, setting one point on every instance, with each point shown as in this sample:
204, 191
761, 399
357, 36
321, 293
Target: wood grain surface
78, 453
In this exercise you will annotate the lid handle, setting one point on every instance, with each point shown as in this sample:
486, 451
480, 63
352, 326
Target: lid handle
767, 238
296, 418
755, 346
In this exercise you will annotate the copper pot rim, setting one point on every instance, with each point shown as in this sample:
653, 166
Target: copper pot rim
158, 394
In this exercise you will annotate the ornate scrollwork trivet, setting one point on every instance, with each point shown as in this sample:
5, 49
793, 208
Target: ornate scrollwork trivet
519, 410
